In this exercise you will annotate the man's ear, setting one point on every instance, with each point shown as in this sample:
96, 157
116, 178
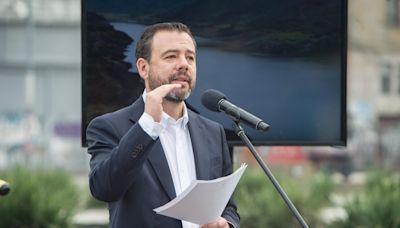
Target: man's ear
143, 68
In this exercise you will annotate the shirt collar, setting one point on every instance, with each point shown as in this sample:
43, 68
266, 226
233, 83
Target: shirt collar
166, 119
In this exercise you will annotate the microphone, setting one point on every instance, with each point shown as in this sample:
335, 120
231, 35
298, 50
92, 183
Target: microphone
4, 188
216, 101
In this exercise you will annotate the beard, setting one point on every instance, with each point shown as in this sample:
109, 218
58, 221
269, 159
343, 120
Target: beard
176, 95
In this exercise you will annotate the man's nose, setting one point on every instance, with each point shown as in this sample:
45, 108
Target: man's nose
183, 63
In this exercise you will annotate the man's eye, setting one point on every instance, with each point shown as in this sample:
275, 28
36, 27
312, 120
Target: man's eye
191, 58
170, 57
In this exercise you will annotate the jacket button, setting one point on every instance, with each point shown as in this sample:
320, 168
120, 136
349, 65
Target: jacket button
137, 150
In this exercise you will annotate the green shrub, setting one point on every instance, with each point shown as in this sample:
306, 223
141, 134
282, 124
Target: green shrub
375, 205
38, 198
260, 205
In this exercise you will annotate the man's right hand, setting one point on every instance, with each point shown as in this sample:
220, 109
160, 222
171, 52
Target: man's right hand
154, 99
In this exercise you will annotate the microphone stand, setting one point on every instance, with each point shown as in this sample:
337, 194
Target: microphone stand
240, 132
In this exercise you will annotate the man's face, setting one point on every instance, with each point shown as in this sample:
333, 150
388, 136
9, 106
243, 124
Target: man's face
173, 61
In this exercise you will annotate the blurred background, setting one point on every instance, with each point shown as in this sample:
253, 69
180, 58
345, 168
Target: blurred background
40, 130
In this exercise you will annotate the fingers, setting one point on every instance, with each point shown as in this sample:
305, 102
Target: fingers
219, 223
162, 91
154, 99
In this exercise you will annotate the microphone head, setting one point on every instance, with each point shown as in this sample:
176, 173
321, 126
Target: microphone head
211, 98
4, 188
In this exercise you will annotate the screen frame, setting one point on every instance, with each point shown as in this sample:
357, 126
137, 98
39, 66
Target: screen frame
342, 142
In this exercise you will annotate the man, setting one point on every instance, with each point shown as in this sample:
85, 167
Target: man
146, 154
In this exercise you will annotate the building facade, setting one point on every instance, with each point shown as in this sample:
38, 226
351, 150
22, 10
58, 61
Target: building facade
40, 82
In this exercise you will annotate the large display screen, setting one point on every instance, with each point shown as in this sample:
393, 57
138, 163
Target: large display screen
284, 61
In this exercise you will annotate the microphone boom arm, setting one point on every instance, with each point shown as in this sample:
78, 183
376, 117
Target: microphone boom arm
240, 132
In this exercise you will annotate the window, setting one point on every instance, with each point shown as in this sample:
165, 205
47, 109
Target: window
385, 79
398, 80
393, 13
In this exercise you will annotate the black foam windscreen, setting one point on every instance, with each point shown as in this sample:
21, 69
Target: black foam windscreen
210, 99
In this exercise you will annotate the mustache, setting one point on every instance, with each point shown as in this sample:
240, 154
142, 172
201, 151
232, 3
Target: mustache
181, 76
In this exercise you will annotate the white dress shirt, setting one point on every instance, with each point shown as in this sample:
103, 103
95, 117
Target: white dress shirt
177, 145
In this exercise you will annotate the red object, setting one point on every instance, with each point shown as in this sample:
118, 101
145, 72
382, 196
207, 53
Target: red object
286, 155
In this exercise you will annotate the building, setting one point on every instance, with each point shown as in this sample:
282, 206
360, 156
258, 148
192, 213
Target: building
374, 81
40, 82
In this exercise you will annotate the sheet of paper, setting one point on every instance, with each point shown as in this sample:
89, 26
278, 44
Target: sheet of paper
204, 200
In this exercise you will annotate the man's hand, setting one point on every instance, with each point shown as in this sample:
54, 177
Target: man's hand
154, 99
219, 223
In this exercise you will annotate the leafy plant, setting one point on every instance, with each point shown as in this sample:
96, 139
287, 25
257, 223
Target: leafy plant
375, 205
38, 198
260, 205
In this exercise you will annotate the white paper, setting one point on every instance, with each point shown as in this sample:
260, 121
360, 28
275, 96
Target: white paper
204, 200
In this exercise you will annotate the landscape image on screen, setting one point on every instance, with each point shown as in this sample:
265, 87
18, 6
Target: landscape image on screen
283, 61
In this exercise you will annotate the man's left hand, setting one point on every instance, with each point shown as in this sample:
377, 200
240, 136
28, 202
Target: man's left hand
219, 223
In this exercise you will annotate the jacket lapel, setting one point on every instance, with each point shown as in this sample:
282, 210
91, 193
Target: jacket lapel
159, 163
136, 110
156, 156
200, 146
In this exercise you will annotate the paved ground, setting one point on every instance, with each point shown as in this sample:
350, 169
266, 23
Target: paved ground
91, 218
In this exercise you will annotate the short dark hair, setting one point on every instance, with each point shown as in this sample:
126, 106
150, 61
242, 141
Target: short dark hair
143, 46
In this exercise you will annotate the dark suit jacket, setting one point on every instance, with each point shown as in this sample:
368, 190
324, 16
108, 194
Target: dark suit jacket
128, 169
